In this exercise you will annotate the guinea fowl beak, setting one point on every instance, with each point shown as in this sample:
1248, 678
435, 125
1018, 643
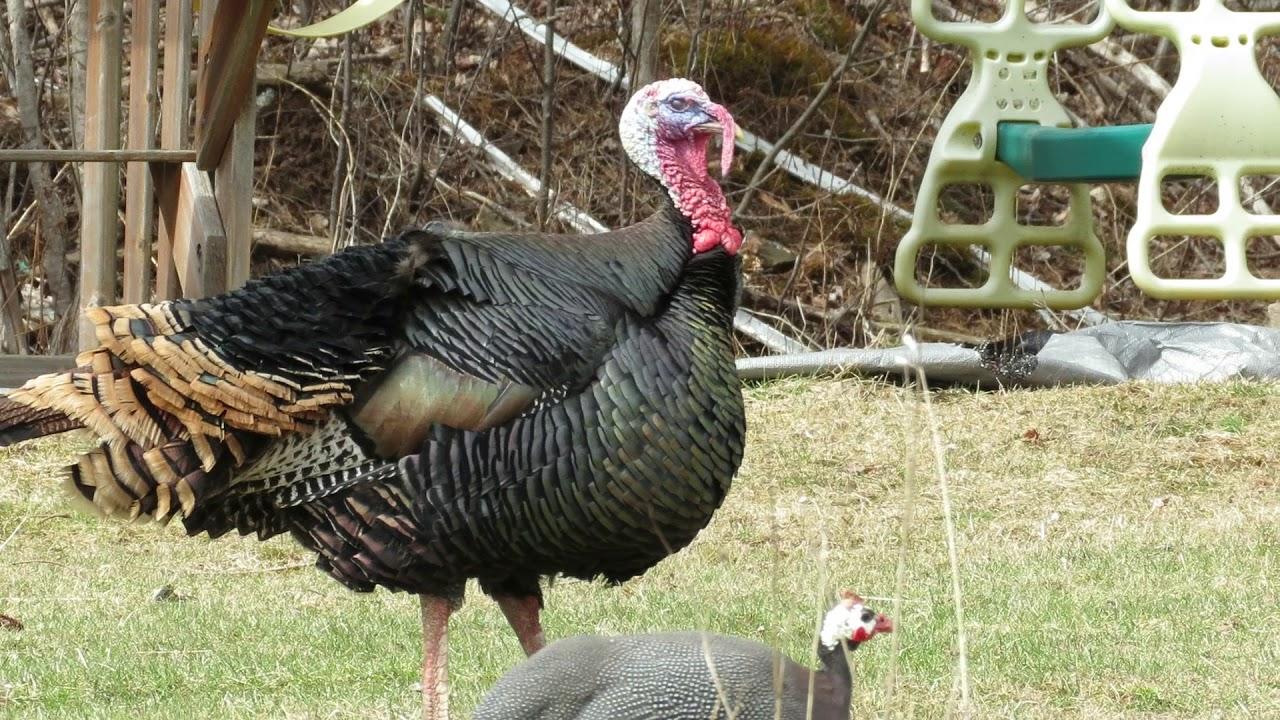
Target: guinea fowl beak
883, 624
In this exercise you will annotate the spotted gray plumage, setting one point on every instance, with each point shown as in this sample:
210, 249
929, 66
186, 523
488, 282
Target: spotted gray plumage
686, 675
666, 676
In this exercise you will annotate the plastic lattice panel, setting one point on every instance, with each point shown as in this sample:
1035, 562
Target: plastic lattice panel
1221, 120
1009, 83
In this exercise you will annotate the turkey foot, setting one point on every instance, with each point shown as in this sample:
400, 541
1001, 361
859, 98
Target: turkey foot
435, 657
522, 615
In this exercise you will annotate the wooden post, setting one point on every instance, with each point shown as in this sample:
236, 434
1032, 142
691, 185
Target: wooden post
229, 47
101, 180
139, 206
233, 174
189, 214
173, 132
233, 188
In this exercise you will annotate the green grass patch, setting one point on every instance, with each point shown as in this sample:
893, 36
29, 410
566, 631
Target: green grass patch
1119, 553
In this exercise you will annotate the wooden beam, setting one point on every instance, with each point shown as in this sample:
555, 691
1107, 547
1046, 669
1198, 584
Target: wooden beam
228, 53
233, 187
17, 369
97, 156
101, 195
189, 212
177, 74
287, 243
139, 203
173, 132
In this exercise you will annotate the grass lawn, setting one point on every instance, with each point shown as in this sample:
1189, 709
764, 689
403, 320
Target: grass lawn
1119, 554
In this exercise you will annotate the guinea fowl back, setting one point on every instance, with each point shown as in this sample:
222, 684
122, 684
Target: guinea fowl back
664, 676
685, 676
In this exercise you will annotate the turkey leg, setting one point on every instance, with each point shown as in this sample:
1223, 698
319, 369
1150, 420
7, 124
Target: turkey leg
435, 657
522, 613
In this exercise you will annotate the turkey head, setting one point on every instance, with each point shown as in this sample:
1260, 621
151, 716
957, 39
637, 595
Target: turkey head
665, 129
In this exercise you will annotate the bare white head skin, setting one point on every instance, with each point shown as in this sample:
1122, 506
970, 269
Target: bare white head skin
852, 621
665, 129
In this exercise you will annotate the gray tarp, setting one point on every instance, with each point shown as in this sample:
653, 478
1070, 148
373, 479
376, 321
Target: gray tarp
1101, 355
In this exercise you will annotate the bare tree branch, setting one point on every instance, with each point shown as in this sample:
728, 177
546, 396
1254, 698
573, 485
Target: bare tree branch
450, 36
646, 27
53, 211
548, 114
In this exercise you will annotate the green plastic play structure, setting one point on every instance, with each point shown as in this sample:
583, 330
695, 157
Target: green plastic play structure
1007, 130
354, 17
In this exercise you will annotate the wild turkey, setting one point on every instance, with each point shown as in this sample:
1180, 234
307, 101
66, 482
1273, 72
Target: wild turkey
445, 405
693, 675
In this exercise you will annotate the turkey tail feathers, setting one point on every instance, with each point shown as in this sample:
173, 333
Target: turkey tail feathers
20, 422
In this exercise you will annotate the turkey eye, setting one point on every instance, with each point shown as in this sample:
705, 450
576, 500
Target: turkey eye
867, 616
678, 104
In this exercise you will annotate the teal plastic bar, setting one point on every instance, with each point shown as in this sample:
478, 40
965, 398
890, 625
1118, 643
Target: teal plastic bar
1072, 155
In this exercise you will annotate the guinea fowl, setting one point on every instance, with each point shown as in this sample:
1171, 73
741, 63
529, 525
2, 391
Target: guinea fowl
693, 675
442, 406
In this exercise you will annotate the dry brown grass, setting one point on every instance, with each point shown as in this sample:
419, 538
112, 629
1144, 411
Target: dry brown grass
1117, 549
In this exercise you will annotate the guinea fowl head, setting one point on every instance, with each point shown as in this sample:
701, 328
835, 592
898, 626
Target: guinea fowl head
665, 129
852, 621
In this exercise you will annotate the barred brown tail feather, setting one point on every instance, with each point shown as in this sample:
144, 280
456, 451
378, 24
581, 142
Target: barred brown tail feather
20, 422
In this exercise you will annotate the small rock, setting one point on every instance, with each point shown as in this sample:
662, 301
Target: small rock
886, 306
774, 257
165, 593
265, 99
469, 61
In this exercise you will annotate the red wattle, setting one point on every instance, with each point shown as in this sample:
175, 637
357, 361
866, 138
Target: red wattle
697, 194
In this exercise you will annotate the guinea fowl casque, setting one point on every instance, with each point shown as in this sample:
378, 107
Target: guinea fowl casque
442, 406
685, 676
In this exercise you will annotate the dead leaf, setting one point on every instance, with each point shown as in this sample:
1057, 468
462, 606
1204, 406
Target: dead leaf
9, 623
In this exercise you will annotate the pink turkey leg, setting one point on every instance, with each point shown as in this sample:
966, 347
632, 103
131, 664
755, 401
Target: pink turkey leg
435, 657
522, 614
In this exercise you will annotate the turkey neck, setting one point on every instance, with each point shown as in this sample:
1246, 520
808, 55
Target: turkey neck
833, 684
696, 194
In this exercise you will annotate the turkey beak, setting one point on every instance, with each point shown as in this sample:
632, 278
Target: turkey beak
710, 127
723, 125
883, 624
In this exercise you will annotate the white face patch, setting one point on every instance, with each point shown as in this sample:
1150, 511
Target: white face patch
638, 125
842, 621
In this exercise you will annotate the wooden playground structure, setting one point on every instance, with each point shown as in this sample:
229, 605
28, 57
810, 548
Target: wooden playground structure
194, 176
